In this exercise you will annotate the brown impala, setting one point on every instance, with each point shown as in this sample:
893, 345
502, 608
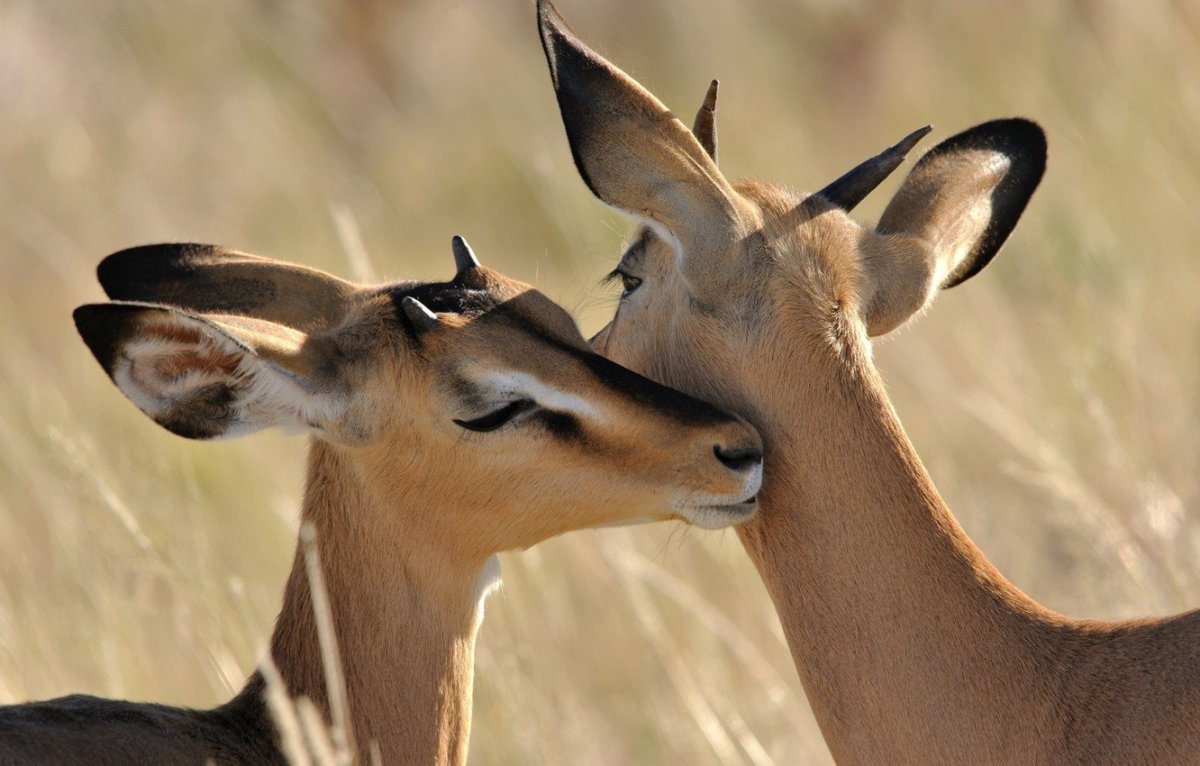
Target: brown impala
449, 421
911, 646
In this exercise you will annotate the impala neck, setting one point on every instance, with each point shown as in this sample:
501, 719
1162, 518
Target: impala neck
405, 616
899, 626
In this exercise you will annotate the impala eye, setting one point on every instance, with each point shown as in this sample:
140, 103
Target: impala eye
497, 418
628, 284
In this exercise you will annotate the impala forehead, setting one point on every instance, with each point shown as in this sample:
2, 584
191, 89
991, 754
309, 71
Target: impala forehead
444, 297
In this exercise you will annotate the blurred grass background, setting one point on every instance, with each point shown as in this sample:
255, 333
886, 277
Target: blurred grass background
1054, 398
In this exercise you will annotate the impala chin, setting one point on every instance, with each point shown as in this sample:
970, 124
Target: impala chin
720, 516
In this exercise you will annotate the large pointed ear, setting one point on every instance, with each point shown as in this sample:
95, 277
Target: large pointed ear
633, 153
950, 217
213, 376
206, 278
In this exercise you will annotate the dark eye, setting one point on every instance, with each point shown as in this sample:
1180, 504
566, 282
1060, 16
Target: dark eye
494, 420
629, 284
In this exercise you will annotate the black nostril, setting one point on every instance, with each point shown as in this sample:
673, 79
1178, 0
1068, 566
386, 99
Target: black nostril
739, 458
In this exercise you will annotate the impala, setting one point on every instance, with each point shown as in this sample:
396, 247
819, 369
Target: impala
911, 646
448, 421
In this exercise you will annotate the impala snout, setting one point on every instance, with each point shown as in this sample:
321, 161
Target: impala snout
732, 497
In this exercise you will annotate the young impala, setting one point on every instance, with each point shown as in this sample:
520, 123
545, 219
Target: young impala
449, 421
911, 646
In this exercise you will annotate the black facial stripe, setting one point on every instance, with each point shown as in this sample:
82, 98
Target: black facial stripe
560, 425
672, 403
450, 296
668, 401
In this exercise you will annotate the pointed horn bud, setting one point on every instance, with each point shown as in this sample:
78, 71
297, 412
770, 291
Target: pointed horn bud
423, 320
704, 128
849, 190
464, 257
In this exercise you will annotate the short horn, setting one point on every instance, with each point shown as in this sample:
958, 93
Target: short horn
423, 320
705, 126
849, 190
464, 257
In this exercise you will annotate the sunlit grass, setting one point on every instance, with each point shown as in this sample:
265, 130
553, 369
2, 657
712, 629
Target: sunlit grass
1054, 397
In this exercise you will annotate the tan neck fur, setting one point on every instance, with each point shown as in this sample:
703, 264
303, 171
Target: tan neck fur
406, 620
911, 646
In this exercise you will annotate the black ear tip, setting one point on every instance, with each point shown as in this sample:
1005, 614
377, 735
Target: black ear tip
550, 21
82, 316
1023, 142
557, 36
117, 269
87, 318
1017, 137
132, 273
1028, 129
547, 13
101, 328
1025, 135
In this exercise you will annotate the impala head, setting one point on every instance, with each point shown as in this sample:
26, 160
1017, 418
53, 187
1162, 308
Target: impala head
722, 277
479, 392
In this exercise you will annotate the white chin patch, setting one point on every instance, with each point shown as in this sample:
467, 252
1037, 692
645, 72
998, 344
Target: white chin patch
719, 516
753, 482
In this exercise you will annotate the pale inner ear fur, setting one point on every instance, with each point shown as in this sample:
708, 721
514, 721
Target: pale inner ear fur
222, 377
933, 224
900, 280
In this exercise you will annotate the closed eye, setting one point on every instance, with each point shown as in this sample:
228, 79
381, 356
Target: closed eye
497, 418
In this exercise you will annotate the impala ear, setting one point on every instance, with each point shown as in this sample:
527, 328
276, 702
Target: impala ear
950, 217
635, 155
205, 377
206, 278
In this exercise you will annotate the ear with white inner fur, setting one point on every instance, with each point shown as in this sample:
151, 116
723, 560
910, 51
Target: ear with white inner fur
206, 377
635, 155
950, 217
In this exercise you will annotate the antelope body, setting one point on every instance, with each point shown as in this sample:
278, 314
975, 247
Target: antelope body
449, 421
911, 646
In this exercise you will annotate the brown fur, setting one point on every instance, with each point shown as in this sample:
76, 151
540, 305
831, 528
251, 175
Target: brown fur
911, 646
407, 507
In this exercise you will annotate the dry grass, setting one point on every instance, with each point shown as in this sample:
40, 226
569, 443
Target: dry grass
1054, 398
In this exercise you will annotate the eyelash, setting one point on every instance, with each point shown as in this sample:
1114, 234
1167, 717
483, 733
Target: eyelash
497, 418
629, 283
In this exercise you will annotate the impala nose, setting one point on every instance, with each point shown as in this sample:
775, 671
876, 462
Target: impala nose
739, 459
